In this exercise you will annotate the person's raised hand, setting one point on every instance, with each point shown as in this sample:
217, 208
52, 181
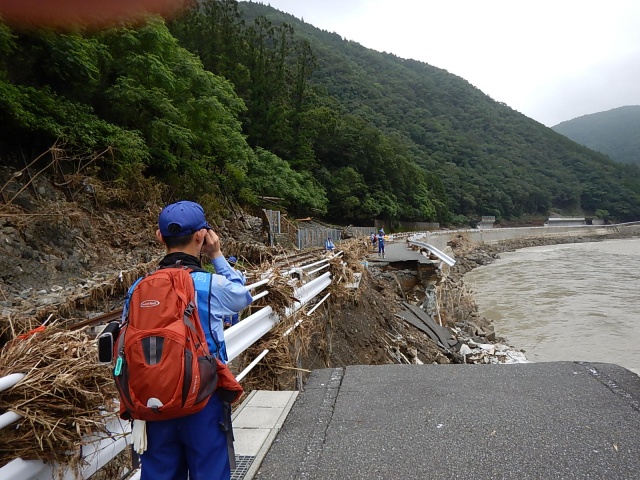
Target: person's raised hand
212, 247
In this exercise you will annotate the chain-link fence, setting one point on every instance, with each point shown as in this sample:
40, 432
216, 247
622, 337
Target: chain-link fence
317, 236
314, 235
273, 219
358, 232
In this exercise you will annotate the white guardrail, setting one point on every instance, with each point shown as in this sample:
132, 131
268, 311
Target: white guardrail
97, 451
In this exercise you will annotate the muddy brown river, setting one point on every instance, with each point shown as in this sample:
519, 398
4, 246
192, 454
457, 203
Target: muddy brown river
577, 302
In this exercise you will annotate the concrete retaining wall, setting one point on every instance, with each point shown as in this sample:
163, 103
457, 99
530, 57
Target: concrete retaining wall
440, 238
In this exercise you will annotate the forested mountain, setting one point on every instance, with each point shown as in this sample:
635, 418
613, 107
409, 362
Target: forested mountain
244, 101
615, 132
490, 158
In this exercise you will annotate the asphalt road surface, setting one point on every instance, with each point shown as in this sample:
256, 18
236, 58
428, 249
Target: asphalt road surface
560, 420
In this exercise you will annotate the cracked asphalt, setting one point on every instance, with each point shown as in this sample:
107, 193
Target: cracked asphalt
559, 420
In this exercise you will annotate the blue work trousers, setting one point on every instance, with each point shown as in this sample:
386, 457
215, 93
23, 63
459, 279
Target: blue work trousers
193, 446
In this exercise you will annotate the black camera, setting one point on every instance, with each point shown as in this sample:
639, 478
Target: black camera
106, 341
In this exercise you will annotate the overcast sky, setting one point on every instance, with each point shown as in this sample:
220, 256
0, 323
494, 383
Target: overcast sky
552, 60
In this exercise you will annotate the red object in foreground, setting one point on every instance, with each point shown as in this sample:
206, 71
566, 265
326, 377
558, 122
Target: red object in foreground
32, 332
83, 13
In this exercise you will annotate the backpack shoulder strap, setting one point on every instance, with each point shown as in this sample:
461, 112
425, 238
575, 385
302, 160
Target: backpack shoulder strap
179, 264
127, 300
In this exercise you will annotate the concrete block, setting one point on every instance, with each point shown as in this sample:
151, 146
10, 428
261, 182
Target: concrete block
259, 417
249, 441
263, 398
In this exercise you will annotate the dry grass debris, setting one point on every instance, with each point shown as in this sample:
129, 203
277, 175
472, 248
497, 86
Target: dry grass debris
250, 254
287, 343
64, 396
97, 298
281, 368
344, 268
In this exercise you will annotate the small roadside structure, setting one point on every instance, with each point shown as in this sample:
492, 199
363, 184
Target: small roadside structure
486, 222
565, 222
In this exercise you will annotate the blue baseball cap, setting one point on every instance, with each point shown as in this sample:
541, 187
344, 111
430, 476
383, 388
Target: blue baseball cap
232, 260
182, 218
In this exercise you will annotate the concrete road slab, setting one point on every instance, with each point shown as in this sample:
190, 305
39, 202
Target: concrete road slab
560, 420
250, 442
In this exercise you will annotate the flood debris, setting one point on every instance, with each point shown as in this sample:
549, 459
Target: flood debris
490, 353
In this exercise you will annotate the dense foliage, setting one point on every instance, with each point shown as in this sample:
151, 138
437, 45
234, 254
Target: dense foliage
615, 133
490, 159
242, 100
140, 93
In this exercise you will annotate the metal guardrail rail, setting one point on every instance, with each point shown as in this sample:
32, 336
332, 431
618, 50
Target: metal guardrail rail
438, 253
100, 450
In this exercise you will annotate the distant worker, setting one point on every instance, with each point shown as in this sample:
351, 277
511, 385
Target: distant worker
373, 241
329, 245
231, 320
381, 243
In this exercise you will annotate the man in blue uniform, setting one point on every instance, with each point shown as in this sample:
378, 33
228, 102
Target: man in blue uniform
329, 245
195, 445
381, 243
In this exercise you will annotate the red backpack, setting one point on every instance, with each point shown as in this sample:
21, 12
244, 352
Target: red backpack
163, 368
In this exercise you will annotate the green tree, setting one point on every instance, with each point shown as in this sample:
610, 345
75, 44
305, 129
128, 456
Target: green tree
187, 115
269, 175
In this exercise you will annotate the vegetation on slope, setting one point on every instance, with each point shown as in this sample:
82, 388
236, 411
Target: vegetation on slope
244, 101
490, 158
615, 133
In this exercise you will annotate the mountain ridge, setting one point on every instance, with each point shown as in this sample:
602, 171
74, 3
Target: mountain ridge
614, 132
241, 102
491, 158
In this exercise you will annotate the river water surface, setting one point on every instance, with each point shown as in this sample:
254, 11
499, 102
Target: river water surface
577, 302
